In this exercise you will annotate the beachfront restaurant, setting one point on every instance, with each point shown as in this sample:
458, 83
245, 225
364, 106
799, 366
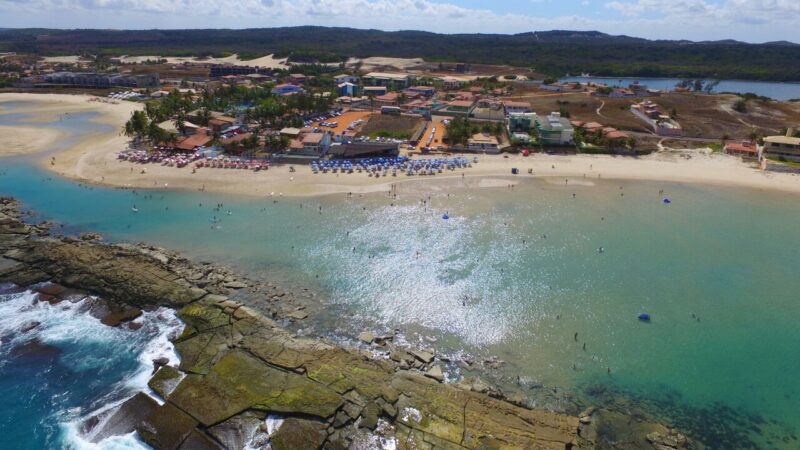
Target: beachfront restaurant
360, 150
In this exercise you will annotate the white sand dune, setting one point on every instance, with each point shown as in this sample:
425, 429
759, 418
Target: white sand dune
368, 64
267, 61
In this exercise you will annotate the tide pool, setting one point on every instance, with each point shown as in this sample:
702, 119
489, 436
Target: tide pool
516, 273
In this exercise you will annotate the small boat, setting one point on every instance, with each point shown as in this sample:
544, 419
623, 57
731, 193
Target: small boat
644, 317
135, 209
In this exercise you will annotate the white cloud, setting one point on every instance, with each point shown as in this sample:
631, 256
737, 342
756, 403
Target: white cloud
710, 13
671, 19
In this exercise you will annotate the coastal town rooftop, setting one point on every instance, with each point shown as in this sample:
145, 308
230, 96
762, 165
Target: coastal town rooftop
388, 76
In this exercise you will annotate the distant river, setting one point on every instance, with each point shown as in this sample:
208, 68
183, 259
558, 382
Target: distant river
774, 90
512, 273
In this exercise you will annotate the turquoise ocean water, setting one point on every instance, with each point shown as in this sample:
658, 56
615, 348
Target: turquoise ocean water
516, 273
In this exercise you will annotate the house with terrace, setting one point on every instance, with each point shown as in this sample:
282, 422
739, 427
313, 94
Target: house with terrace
512, 107
392, 81
555, 130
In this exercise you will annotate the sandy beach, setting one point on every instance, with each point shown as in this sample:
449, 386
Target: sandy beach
24, 140
94, 159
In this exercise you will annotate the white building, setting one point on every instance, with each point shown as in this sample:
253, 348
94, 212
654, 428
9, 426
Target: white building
555, 130
483, 142
345, 78
394, 81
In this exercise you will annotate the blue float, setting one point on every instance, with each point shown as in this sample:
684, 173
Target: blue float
644, 317
667, 201
445, 216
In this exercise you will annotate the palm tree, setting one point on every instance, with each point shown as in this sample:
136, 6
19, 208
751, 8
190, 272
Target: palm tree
204, 116
137, 126
180, 122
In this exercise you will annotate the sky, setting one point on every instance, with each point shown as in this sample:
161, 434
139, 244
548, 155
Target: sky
744, 20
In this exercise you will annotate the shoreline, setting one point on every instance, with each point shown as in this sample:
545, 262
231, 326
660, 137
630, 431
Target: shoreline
21, 140
93, 160
237, 367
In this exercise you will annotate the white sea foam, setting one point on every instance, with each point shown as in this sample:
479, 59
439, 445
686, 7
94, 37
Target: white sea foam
67, 325
427, 274
260, 440
73, 439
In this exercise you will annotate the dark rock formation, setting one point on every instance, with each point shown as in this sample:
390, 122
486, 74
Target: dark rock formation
121, 420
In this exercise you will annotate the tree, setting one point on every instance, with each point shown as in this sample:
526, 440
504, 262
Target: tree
499, 129
137, 126
371, 97
157, 135
579, 136
180, 122
459, 130
710, 86
604, 90
153, 110
283, 143
204, 116
740, 106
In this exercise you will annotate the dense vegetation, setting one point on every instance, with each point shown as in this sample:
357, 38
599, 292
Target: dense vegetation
460, 129
554, 53
267, 113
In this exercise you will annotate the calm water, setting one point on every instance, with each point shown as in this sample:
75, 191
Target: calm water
717, 269
774, 90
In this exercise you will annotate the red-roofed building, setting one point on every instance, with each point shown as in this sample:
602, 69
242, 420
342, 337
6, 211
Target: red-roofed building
189, 143
616, 135
233, 143
592, 127
297, 78
220, 123
389, 99
744, 149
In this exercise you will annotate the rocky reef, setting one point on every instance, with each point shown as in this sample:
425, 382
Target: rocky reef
241, 372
